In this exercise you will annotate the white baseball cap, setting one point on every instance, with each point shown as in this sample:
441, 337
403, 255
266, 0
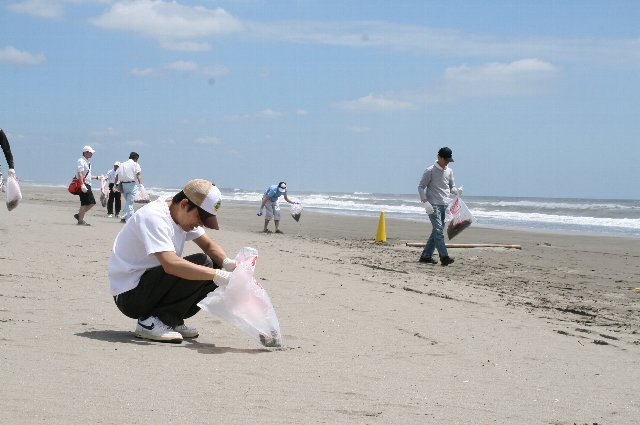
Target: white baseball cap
117, 163
207, 197
88, 149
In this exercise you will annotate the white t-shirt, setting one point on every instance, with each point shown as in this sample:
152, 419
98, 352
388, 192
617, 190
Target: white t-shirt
128, 170
150, 230
82, 167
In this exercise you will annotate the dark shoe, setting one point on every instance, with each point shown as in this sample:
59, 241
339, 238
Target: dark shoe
428, 260
279, 231
446, 261
122, 220
76, 216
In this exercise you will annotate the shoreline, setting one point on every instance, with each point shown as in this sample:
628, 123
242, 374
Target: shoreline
546, 334
388, 217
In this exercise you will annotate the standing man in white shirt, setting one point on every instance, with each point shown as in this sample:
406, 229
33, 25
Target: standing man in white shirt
83, 173
129, 175
114, 195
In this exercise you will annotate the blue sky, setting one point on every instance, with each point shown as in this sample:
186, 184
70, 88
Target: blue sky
536, 98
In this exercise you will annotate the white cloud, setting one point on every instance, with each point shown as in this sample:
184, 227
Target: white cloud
422, 40
47, 8
10, 54
142, 72
208, 140
172, 24
301, 111
376, 102
269, 113
524, 77
499, 71
186, 46
186, 66
521, 77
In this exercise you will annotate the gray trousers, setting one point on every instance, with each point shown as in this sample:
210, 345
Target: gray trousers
168, 297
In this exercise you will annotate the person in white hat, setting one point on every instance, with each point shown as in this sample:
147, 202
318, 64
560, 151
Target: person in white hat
114, 195
270, 203
149, 279
83, 173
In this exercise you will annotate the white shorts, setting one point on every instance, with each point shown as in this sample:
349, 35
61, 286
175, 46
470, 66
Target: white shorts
273, 210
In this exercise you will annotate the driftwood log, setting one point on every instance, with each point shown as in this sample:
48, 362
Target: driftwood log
469, 245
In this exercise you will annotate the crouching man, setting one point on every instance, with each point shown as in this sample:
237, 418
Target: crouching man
149, 279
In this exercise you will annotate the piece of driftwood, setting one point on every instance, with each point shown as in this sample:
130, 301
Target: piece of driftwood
469, 245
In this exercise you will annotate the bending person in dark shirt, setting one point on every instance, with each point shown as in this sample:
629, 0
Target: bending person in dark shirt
6, 148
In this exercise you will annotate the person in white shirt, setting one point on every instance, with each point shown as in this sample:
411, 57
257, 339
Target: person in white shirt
114, 195
129, 175
149, 279
83, 173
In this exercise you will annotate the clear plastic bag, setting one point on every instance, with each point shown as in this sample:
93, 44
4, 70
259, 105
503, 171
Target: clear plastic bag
14, 195
244, 302
141, 197
457, 217
296, 211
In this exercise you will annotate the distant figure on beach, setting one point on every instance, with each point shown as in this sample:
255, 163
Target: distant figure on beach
6, 148
434, 189
129, 175
150, 281
114, 195
83, 173
270, 203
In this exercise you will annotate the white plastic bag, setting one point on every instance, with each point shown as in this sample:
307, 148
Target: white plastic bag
14, 196
296, 211
141, 197
104, 189
457, 217
244, 303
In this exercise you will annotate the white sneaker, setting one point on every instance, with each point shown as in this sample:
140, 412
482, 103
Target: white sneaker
110, 215
186, 331
153, 328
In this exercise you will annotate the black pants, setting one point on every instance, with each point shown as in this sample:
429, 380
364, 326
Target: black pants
169, 298
113, 196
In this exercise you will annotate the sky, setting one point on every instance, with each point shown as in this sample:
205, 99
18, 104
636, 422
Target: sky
535, 98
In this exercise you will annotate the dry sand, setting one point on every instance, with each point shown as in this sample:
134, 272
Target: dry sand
544, 335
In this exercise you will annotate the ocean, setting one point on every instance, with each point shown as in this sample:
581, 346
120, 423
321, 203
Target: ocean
583, 216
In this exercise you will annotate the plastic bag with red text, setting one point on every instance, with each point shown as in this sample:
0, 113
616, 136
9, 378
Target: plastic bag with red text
457, 217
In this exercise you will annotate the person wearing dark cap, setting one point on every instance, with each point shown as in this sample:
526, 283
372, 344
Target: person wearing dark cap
130, 177
6, 148
435, 187
270, 203
149, 279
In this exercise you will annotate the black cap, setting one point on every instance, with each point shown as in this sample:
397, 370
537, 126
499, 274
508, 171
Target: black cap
446, 153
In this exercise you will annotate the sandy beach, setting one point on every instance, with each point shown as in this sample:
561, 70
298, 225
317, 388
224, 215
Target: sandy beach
548, 334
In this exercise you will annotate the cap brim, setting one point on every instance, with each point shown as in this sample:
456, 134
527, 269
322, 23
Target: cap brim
450, 159
208, 220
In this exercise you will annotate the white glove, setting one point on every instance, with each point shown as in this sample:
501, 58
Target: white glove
459, 191
221, 277
228, 264
12, 172
429, 208
260, 212
84, 188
